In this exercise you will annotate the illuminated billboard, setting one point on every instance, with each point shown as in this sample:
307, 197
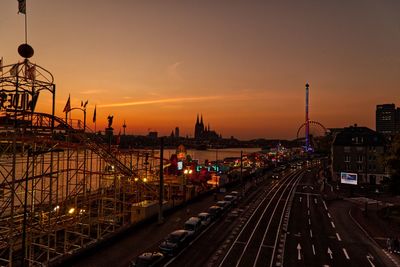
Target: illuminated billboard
348, 178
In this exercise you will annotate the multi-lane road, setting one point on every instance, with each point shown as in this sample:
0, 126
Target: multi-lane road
318, 237
288, 223
282, 222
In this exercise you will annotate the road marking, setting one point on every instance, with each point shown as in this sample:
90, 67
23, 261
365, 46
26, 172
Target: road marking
308, 201
345, 254
265, 246
308, 212
333, 225
338, 237
300, 199
308, 186
330, 252
311, 194
323, 201
298, 251
370, 258
309, 221
329, 215
313, 249
311, 233
315, 200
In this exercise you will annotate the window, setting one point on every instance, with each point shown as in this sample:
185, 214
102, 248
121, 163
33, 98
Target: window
359, 167
359, 158
347, 158
347, 166
346, 149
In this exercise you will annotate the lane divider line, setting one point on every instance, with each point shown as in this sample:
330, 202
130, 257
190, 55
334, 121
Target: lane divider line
345, 254
338, 237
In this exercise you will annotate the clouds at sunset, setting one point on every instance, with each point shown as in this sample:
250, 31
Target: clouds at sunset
242, 64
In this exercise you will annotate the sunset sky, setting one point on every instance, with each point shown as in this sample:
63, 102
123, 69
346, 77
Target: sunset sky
242, 64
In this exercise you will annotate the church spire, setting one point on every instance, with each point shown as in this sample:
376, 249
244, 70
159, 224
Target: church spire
197, 121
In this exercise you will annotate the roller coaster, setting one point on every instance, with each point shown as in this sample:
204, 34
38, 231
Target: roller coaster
61, 188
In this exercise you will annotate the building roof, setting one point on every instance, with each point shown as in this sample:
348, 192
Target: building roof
358, 136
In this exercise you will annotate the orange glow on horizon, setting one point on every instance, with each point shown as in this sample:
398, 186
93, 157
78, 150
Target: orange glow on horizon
157, 65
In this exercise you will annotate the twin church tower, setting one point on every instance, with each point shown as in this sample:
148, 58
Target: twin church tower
204, 133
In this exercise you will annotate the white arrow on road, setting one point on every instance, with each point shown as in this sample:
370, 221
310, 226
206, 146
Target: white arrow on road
330, 252
308, 186
370, 258
298, 251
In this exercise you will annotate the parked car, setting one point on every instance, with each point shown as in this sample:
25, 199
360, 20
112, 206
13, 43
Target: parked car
215, 211
236, 194
148, 259
224, 204
174, 242
193, 225
230, 198
205, 218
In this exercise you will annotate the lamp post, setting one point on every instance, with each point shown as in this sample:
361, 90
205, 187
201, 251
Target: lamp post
186, 173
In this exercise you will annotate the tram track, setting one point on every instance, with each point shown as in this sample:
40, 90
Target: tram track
255, 244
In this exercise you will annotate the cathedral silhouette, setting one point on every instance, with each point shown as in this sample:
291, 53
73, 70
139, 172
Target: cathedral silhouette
204, 133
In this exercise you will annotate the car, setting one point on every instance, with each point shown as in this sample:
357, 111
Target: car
205, 218
236, 194
193, 225
232, 199
148, 259
276, 175
224, 204
215, 211
174, 242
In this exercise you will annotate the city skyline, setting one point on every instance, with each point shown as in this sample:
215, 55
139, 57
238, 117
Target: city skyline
243, 66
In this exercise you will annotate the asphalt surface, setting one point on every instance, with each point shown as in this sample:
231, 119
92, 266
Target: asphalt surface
121, 250
212, 243
283, 222
256, 243
324, 234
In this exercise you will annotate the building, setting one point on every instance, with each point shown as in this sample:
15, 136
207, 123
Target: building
387, 119
153, 135
204, 133
177, 132
358, 150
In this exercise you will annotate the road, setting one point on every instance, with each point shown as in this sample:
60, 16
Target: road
257, 240
207, 249
324, 234
285, 222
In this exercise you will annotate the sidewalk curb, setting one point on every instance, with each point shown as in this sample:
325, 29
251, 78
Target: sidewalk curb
388, 255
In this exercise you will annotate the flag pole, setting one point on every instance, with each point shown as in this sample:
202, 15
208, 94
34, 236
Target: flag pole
26, 28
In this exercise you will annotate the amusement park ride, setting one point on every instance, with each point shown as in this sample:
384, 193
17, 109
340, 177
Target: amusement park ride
61, 188
307, 136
